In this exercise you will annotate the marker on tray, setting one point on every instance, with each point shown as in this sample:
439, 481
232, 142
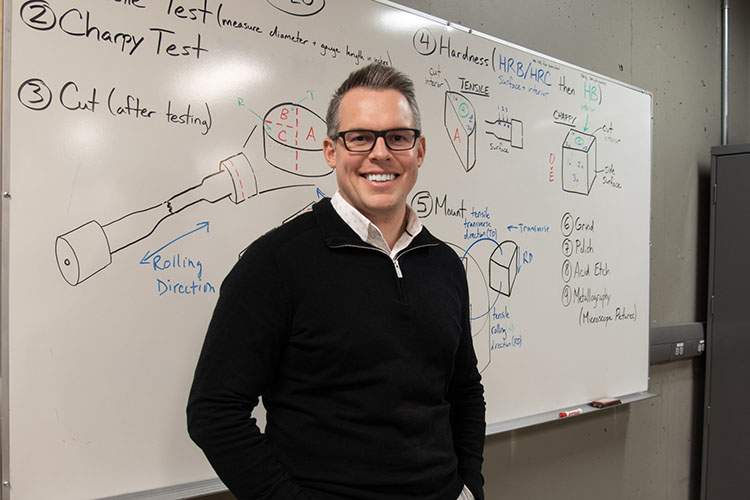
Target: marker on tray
570, 413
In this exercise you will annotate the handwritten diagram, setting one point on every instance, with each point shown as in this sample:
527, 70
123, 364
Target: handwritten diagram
293, 140
88, 249
491, 271
578, 162
504, 267
507, 130
459, 118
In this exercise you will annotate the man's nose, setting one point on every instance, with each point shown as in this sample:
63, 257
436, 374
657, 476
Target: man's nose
380, 150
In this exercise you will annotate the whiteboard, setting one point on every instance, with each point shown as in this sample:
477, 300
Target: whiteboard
147, 143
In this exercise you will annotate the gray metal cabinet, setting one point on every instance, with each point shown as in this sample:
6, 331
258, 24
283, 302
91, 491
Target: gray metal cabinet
726, 433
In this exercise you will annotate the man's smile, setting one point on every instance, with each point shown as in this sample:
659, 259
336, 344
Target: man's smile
380, 177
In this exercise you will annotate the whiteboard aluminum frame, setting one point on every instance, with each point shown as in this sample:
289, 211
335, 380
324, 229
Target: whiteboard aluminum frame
4, 260
187, 490
551, 416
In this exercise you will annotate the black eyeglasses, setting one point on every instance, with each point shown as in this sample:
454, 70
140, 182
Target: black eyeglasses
363, 141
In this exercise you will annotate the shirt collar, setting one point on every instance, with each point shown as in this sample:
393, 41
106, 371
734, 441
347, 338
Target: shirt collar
369, 232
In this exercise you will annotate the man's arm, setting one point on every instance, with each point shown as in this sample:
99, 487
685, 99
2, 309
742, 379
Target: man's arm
243, 344
466, 396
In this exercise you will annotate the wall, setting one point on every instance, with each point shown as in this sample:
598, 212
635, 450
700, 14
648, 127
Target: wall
648, 450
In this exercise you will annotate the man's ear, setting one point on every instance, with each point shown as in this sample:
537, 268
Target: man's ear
329, 151
421, 150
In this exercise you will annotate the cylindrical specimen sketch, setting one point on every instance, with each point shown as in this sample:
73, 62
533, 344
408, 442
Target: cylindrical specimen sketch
293, 139
82, 252
578, 162
460, 124
88, 249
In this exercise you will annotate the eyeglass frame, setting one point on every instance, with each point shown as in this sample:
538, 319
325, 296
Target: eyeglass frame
378, 133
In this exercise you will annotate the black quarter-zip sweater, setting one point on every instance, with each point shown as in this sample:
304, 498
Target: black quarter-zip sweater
369, 379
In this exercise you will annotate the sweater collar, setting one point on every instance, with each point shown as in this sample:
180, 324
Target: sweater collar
369, 232
337, 232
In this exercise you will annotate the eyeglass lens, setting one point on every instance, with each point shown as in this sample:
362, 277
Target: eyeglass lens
364, 140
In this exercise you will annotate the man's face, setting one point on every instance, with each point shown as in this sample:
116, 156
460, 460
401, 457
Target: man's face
376, 183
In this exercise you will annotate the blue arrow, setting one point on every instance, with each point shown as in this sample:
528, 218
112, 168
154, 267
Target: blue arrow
510, 228
320, 193
199, 227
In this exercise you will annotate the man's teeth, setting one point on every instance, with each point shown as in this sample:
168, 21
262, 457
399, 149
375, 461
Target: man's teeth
381, 177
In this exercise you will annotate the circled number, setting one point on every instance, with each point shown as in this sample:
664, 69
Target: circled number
35, 94
37, 14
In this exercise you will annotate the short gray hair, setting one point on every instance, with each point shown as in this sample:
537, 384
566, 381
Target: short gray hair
376, 77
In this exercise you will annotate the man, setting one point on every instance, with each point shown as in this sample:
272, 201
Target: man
352, 323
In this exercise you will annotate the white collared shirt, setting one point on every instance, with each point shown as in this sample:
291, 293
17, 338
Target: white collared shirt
369, 232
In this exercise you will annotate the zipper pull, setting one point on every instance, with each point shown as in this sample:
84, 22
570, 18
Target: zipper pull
398, 268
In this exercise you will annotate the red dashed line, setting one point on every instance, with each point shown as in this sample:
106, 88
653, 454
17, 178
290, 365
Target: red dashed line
296, 138
296, 134
237, 173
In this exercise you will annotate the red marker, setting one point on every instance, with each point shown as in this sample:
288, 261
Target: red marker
570, 413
